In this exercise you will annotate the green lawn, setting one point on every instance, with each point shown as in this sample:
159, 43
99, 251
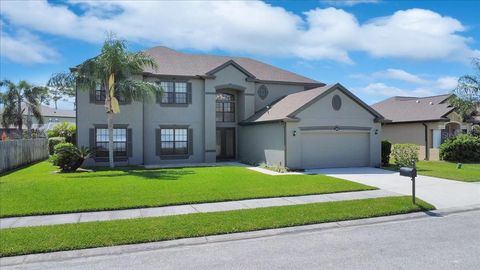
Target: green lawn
37, 190
28, 240
448, 170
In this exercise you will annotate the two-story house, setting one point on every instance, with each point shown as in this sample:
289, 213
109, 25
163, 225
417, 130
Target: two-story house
216, 108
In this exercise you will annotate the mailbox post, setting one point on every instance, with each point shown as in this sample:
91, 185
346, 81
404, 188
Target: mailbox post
412, 173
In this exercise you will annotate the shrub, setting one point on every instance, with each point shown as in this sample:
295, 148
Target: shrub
69, 157
54, 141
475, 130
275, 168
65, 130
386, 150
405, 155
461, 148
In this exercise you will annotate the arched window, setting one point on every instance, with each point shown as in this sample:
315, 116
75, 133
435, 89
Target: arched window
225, 107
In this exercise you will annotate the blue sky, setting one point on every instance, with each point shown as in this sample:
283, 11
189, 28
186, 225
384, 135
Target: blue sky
377, 49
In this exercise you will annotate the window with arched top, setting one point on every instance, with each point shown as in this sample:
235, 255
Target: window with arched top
225, 107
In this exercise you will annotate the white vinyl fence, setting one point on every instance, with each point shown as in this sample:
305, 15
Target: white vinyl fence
16, 153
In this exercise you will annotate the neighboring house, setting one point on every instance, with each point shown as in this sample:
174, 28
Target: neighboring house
51, 117
231, 108
425, 121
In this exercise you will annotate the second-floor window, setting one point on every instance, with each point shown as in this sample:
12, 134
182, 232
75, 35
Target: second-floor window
100, 93
225, 107
174, 93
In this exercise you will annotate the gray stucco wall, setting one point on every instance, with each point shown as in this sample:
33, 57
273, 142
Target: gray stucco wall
89, 114
190, 115
320, 114
143, 119
262, 143
275, 91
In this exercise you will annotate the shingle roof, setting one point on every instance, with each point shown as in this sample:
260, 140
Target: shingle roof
171, 62
288, 106
51, 112
415, 109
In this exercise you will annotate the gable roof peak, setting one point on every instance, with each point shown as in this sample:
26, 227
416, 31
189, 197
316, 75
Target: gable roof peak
175, 63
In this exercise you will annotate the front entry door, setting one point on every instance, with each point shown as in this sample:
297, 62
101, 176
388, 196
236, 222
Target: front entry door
225, 143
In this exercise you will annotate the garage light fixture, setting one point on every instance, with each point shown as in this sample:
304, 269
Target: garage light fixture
376, 131
336, 128
294, 133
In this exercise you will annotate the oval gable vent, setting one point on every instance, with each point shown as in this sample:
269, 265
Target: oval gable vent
262, 91
336, 102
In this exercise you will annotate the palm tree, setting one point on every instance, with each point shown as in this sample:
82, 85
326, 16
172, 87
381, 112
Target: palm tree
114, 68
18, 98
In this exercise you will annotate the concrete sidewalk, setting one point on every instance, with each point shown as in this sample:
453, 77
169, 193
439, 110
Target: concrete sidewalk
442, 193
27, 221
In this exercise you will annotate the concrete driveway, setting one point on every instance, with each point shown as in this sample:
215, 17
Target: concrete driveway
441, 193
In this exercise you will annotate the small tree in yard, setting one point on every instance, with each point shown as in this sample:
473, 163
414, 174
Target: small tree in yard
114, 68
467, 93
61, 85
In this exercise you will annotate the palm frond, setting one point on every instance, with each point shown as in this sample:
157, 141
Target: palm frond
137, 90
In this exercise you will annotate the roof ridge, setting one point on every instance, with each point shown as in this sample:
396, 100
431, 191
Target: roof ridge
412, 97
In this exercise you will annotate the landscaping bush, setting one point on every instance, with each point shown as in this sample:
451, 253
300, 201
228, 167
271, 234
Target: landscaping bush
54, 141
405, 155
461, 148
65, 130
386, 151
475, 130
69, 157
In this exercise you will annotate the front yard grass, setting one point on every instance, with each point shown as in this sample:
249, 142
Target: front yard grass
448, 170
37, 190
19, 241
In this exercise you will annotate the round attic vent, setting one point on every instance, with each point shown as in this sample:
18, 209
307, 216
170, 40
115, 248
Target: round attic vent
336, 102
262, 91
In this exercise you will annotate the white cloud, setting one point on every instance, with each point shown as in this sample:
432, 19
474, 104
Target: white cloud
252, 27
26, 48
412, 84
399, 74
381, 89
349, 2
446, 83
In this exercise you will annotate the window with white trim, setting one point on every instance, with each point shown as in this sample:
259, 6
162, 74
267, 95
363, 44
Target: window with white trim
174, 92
174, 141
119, 142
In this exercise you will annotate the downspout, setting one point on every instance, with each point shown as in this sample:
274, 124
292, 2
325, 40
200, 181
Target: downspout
285, 143
143, 131
427, 149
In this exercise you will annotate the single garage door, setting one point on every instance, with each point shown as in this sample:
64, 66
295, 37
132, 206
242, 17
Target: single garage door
335, 149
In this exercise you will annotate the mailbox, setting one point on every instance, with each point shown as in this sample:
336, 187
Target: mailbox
412, 173
408, 172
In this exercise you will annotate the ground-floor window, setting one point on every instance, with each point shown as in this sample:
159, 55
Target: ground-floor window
119, 142
173, 141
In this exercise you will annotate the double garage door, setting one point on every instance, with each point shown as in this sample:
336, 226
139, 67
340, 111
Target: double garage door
322, 149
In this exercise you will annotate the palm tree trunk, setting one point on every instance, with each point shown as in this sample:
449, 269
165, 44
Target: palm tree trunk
110, 139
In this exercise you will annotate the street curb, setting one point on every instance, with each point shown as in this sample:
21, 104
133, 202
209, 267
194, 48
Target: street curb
145, 247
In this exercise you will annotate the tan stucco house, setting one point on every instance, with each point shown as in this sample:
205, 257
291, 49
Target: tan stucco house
425, 121
218, 108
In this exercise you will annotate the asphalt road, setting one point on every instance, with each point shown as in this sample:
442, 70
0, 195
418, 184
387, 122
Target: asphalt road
450, 242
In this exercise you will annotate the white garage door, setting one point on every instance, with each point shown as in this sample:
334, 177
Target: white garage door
338, 149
